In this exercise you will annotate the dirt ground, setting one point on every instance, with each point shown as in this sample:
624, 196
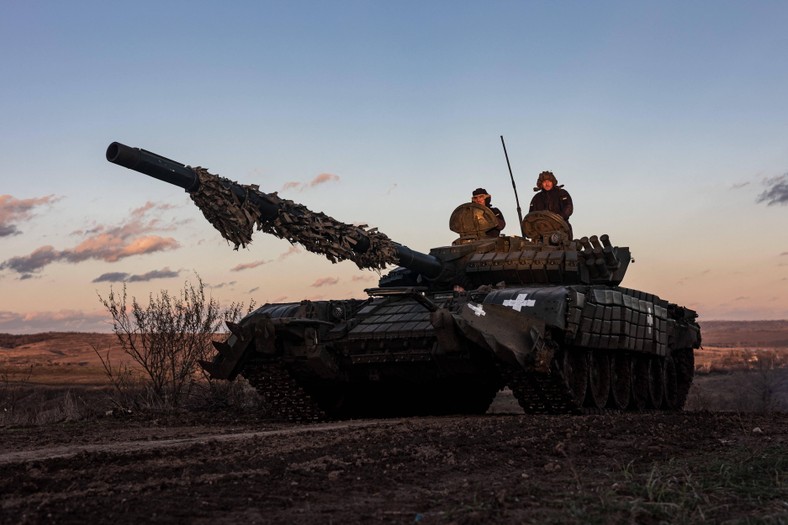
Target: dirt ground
691, 467
723, 460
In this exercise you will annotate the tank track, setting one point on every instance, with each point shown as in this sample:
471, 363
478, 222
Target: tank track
549, 393
540, 393
284, 397
536, 393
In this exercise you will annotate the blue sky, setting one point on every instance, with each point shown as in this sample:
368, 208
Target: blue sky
666, 121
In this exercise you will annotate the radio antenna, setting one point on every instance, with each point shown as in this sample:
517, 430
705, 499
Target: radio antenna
514, 187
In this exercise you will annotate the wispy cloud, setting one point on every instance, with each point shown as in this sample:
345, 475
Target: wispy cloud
109, 244
777, 191
324, 281
8, 230
291, 251
254, 264
247, 266
111, 277
363, 278
13, 210
115, 277
323, 178
228, 284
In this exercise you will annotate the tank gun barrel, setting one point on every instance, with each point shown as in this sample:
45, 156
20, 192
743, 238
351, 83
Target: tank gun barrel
234, 209
175, 173
153, 165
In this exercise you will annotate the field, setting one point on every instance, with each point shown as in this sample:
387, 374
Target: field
68, 455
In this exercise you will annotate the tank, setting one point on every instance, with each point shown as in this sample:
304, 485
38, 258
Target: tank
542, 314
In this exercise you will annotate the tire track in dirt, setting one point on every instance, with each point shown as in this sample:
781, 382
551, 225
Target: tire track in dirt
122, 447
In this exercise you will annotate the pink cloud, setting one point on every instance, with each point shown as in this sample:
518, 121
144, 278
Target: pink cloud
109, 244
247, 266
323, 178
13, 210
291, 185
324, 281
291, 251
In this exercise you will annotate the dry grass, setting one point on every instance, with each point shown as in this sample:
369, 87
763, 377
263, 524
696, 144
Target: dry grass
746, 481
26, 404
55, 377
58, 377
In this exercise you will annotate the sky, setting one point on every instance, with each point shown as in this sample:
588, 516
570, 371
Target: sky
667, 121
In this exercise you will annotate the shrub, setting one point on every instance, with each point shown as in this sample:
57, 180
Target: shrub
167, 339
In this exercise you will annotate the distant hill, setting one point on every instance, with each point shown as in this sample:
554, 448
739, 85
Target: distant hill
715, 333
770, 334
73, 340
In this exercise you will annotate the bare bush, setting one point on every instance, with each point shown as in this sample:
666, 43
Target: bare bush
128, 385
766, 381
237, 394
746, 380
11, 393
167, 339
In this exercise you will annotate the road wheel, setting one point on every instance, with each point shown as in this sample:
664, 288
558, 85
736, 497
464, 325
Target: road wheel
575, 372
620, 381
671, 399
640, 381
656, 382
685, 370
598, 379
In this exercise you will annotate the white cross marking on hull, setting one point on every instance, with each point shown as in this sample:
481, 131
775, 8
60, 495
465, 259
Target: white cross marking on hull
519, 302
477, 309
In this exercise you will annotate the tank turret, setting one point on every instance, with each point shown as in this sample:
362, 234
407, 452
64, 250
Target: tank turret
542, 314
547, 255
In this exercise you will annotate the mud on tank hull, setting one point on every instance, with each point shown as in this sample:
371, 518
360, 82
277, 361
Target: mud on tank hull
561, 349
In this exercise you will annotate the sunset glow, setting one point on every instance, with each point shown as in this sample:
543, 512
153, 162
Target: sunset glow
667, 122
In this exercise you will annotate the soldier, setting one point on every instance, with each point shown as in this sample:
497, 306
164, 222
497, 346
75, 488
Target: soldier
552, 197
480, 196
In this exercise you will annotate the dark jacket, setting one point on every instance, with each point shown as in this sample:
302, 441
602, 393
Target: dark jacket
556, 200
495, 232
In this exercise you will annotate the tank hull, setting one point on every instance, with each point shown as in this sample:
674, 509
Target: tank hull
561, 349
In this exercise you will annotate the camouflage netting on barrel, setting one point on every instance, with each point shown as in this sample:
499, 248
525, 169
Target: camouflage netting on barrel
317, 232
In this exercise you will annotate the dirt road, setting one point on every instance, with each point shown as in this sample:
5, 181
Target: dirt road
638, 468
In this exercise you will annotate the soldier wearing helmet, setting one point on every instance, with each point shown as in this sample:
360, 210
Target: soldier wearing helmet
551, 196
481, 197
